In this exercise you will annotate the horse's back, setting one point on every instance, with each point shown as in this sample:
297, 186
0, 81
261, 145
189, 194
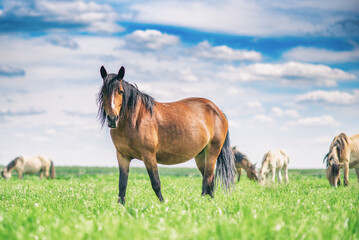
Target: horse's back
35, 163
277, 158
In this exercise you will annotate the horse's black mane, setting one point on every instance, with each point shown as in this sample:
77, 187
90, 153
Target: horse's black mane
338, 143
239, 157
11, 164
130, 97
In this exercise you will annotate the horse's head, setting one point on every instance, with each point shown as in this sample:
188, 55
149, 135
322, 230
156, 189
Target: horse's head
251, 172
110, 97
5, 174
333, 168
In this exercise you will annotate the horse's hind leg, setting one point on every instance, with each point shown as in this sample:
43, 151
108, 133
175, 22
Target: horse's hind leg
285, 169
41, 175
152, 169
47, 170
273, 175
279, 172
200, 162
211, 154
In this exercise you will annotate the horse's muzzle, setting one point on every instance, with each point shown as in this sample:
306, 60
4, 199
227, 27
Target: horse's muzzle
112, 121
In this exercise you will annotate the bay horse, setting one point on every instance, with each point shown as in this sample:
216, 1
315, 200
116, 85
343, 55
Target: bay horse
274, 161
241, 161
343, 153
166, 133
30, 165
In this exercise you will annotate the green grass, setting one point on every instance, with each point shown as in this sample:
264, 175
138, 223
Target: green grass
82, 204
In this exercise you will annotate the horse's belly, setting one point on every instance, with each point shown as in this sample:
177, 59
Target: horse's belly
171, 159
32, 169
354, 164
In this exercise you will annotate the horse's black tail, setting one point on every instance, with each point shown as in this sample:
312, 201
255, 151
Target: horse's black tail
225, 168
52, 170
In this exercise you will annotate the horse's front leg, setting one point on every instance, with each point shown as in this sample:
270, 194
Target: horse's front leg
19, 173
124, 166
239, 172
273, 175
152, 169
346, 173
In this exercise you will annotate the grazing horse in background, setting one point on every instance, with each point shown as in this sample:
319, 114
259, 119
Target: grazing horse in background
31, 165
343, 153
274, 161
242, 162
165, 133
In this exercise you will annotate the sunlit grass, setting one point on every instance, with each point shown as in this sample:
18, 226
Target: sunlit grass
81, 206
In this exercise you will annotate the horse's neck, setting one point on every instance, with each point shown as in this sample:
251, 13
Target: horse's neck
135, 117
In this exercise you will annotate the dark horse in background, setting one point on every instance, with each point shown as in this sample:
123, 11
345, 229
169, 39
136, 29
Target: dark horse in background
165, 133
241, 161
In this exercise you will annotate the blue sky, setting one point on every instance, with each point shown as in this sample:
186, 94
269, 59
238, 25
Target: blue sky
285, 73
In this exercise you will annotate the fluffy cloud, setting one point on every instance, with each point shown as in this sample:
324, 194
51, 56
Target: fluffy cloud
39, 15
150, 39
332, 97
62, 40
7, 71
290, 72
263, 118
325, 120
21, 112
205, 50
277, 111
247, 18
321, 55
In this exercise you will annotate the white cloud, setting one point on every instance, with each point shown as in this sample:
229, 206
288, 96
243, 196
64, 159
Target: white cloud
9, 71
91, 16
277, 111
62, 40
289, 72
325, 120
305, 54
256, 105
332, 97
258, 18
150, 39
205, 50
263, 118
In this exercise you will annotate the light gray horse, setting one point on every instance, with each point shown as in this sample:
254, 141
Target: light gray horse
31, 165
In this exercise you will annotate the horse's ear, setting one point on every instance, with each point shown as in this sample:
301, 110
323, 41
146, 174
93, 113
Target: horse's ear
103, 72
121, 73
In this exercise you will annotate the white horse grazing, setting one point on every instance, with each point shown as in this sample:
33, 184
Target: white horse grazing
31, 165
274, 161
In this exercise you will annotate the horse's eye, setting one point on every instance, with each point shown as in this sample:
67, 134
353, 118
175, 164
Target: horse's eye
120, 91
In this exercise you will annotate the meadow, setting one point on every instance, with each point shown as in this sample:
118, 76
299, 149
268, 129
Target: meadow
81, 203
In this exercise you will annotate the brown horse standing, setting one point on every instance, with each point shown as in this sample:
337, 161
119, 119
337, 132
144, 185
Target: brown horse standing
166, 133
241, 161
